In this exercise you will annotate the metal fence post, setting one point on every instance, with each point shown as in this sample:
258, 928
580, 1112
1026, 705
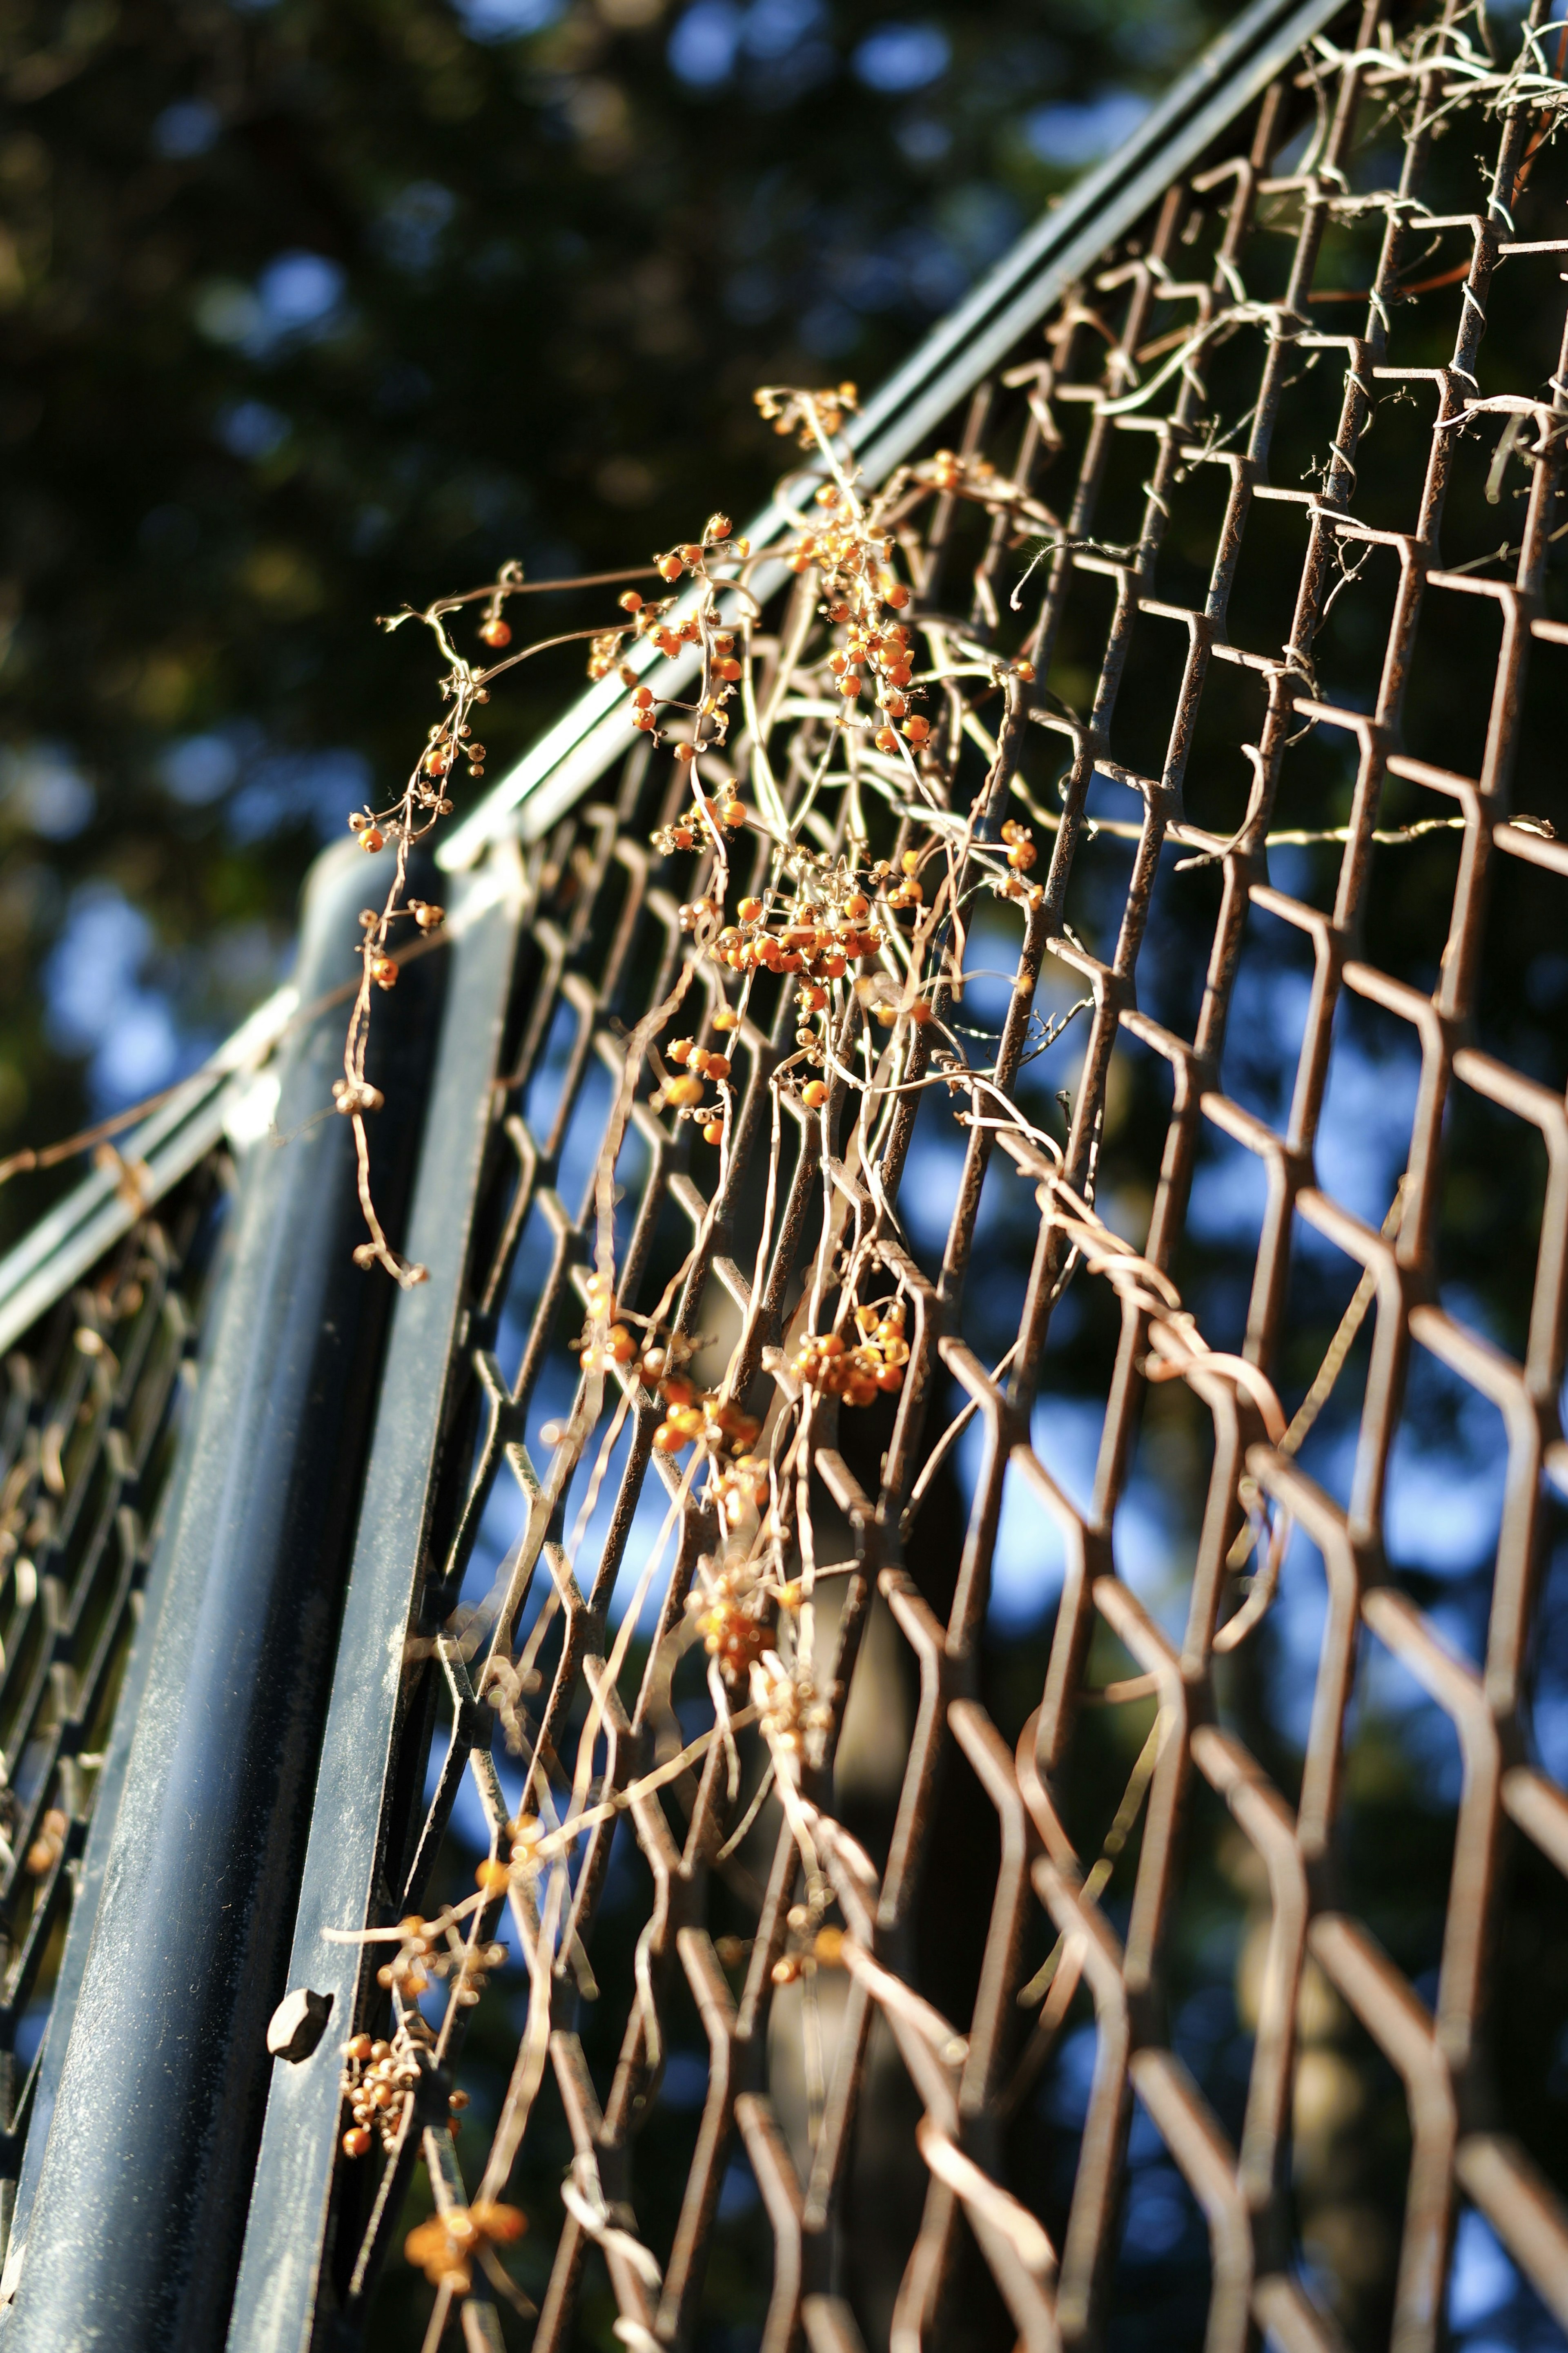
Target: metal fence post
134, 2237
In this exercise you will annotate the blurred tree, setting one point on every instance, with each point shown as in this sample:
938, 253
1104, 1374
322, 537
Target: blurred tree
309, 311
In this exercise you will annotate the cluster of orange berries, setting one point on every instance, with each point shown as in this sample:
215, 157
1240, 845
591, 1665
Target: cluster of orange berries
850, 557
809, 1947
885, 652
784, 410
873, 1367
1021, 856
790, 1713
741, 1490
691, 1413
908, 891
724, 809
448, 741
445, 2245
684, 1093
721, 669
618, 1346
493, 1877
421, 1958
821, 940
382, 967
1020, 843
857, 586
730, 1615
948, 470
645, 620
377, 2079
692, 557
372, 835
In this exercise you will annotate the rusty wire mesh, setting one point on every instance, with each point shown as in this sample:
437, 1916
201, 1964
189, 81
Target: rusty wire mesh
1007, 1878
96, 1400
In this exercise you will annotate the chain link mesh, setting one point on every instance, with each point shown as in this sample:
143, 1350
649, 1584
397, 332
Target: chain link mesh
1122, 1684
96, 1400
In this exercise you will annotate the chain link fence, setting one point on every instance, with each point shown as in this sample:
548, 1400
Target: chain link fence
98, 1395
947, 1722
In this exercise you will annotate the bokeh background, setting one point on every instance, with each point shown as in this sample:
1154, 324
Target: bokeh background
311, 309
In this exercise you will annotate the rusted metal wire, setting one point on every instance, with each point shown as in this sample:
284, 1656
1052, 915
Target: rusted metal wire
1168, 373
900, 1938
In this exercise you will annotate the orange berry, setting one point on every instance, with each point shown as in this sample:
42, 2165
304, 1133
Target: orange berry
493, 1877
850, 686
726, 1017
630, 601
384, 972
495, 631
897, 596
750, 911
356, 2141
886, 739
643, 697
1025, 670
683, 1092
729, 668
680, 1049
814, 1093
917, 729
686, 751
714, 1131
372, 839
668, 567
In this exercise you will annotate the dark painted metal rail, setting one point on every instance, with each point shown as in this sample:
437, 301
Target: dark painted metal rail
285, 2285
134, 2235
